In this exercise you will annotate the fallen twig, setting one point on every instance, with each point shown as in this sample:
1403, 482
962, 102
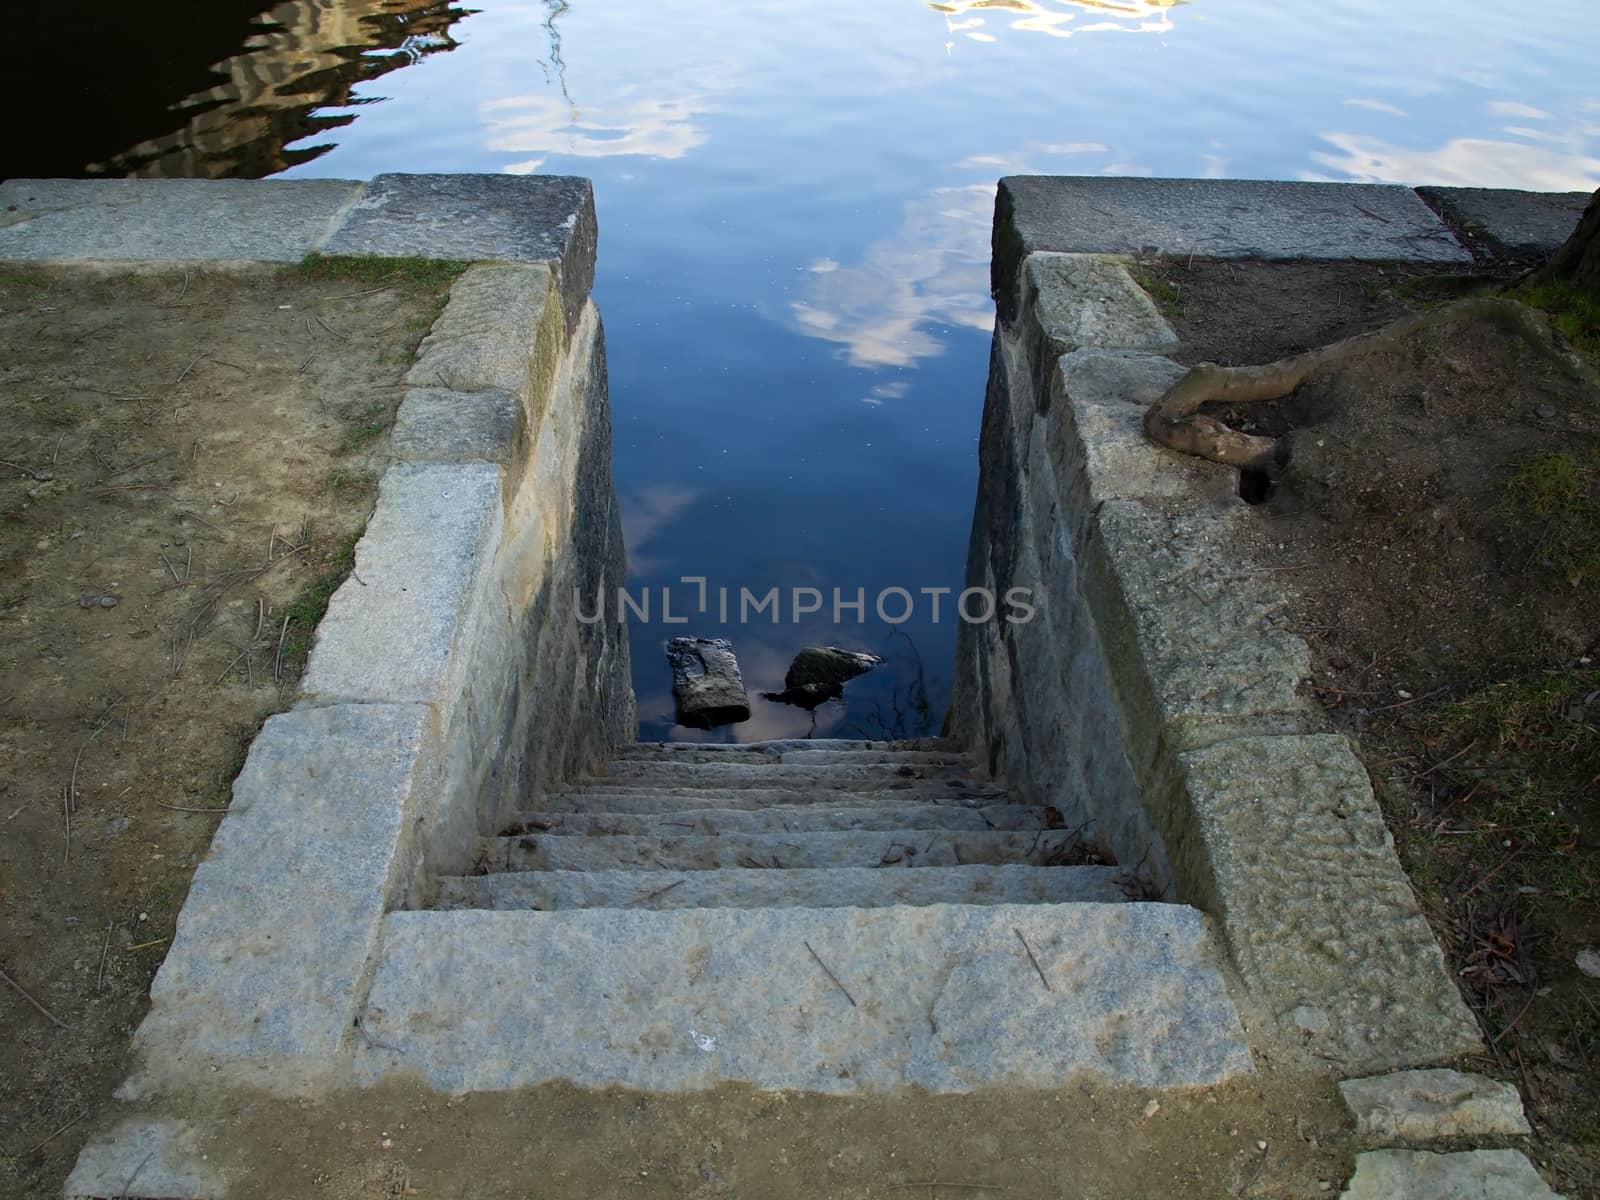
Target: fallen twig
180, 808
100, 975
277, 662
831, 976
41, 1145
183, 374
944, 1183
1032, 959
21, 991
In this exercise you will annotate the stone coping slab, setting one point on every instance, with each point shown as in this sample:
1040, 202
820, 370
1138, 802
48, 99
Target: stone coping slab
533, 218
1509, 222
1212, 218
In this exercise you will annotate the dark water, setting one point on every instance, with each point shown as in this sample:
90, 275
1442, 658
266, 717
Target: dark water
794, 205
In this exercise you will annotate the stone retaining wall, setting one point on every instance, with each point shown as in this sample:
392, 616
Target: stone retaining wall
1155, 698
450, 677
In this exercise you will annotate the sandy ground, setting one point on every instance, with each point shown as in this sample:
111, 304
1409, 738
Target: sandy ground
187, 461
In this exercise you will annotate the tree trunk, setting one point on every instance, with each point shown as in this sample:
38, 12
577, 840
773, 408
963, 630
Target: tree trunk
1578, 260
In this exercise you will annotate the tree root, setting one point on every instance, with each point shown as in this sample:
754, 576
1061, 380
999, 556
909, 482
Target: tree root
1175, 421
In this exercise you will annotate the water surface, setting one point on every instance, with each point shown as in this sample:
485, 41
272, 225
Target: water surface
794, 205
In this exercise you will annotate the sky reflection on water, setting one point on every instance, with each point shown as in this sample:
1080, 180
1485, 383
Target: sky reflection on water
795, 203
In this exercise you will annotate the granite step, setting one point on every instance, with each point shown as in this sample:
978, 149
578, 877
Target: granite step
800, 818
825, 887
801, 754
781, 745
620, 798
921, 849
946, 998
671, 774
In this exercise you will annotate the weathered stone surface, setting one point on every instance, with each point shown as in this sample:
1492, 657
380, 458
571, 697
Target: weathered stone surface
619, 797
706, 684
1281, 839
1096, 440
419, 569
1419, 1106
510, 218
795, 754
456, 427
1181, 615
282, 917
945, 998
797, 818
1424, 1175
922, 849
1213, 218
1508, 221
819, 673
1090, 300
139, 1157
500, 332
832, 887
178, 220
782, 774
828, 665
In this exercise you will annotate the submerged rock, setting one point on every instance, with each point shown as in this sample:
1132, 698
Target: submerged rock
818, 674
706, 682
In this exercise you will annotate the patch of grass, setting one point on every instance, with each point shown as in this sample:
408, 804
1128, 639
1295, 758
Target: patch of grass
1165, 293
306, 609
365, 426
1575, 312
1558, 493
1532, 765
426, 274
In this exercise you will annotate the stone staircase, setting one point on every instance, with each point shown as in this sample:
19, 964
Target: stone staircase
797, 823
816, 915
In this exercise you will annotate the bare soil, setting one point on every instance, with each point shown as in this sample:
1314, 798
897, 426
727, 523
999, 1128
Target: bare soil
1264, 1137
1455, 633
188, 460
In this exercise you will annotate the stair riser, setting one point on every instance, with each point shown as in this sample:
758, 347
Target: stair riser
811, 757
910, 848
666, 800
815, 818
703, 775
840, 887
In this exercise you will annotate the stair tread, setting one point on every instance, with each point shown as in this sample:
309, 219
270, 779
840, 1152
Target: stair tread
796, 818
820, 887
910, 848
713, 774
638, 799
946, 998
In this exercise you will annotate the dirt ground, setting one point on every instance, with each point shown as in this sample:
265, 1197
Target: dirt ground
188, 460
1261, 1137
1436, 528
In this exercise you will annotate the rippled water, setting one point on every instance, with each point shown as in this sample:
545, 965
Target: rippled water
794, 205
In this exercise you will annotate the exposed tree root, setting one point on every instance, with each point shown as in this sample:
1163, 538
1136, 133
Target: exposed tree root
1176, 422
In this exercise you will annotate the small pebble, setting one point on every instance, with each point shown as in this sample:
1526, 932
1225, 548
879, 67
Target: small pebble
108, 601
1261, 1145
1546, 411
1588, 962
1152, 1109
